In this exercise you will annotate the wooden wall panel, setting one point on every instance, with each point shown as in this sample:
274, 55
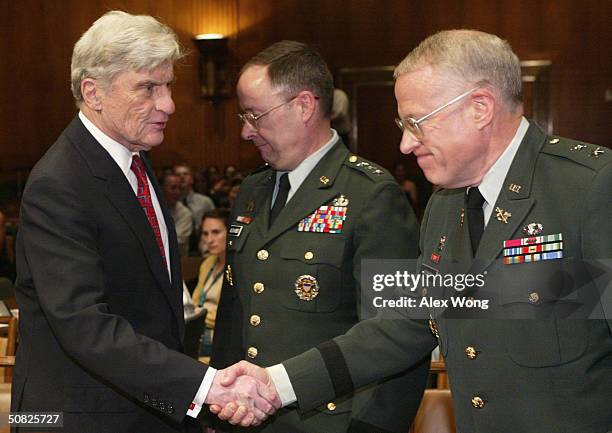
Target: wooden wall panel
37, 37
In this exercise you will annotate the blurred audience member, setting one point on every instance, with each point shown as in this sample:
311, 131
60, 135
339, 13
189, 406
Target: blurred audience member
210, 281
7, 262
230, 171
341, 117
400, 172
412, 193
233, 192
219, 193
197, 203
171, 187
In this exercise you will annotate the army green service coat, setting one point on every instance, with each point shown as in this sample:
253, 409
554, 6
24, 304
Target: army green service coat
506, 376
262, 319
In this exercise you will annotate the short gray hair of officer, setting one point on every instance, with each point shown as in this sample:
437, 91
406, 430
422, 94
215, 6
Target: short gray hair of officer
472, 56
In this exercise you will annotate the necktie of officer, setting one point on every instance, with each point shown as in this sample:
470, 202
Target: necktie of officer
146, 203
475, 216
281, 197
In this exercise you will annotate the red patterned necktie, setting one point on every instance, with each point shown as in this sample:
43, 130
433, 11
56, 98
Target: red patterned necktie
146, 203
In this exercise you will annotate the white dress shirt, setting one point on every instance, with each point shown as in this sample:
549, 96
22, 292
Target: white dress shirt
298, 175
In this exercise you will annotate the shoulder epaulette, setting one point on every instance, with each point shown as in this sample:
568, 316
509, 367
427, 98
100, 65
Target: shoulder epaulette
373, 171
589, 155
261, 168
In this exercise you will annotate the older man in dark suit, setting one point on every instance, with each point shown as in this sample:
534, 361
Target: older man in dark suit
99, 282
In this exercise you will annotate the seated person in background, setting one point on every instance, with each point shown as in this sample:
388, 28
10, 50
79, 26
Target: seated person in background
208, 289
230, 171
171, 187
197, 203
7, 263
233, 192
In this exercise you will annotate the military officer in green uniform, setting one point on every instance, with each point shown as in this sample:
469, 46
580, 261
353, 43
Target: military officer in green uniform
529, 211
298, 232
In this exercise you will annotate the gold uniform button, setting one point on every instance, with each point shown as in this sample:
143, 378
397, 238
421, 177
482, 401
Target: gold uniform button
309, 255
534, 297
258, 287
252, 352
255, 320
331, 406
353, 158
423, 291
471, 352
263, 254
478, 402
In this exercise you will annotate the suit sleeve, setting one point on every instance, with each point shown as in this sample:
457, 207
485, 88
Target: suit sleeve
376, 348
59, 238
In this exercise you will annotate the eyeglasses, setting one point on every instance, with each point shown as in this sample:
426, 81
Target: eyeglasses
411, 124
251, 119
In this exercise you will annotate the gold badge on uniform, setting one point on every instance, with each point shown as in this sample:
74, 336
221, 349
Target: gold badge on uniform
502, 215
515, 188
462, 217
306, 287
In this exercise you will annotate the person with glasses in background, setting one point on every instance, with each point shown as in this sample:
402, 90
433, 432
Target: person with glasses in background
298, 232
528, 211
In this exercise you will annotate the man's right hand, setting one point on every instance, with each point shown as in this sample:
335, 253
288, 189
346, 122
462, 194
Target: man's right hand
253, 392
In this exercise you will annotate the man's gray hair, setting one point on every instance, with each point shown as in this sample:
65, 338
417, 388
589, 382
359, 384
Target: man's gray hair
119, 42
474, 56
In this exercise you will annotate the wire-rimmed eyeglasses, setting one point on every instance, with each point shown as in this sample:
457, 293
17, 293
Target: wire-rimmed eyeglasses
411, 124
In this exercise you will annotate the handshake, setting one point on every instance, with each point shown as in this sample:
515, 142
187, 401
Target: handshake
243, 394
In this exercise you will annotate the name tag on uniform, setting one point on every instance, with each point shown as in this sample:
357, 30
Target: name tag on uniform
235, 230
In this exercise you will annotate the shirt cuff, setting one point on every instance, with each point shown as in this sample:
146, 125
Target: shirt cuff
198, 401
281, 380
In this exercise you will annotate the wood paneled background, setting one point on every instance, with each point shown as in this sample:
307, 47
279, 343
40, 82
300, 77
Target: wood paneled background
37, 38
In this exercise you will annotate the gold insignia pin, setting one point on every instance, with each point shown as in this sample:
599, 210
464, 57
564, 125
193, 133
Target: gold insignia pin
306, 287
251, 206
515, 188
578, 147
554, 141
462, 217
353, 158
502, 215
341, 201
596, 152
324, 180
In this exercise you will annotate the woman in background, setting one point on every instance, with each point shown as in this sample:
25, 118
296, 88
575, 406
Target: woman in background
208, 290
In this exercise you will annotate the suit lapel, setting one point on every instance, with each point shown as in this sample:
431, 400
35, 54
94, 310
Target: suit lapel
517, 204
312, 193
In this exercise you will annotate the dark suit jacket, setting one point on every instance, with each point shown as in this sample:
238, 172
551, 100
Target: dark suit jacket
540, 372
277, 323
100, 323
